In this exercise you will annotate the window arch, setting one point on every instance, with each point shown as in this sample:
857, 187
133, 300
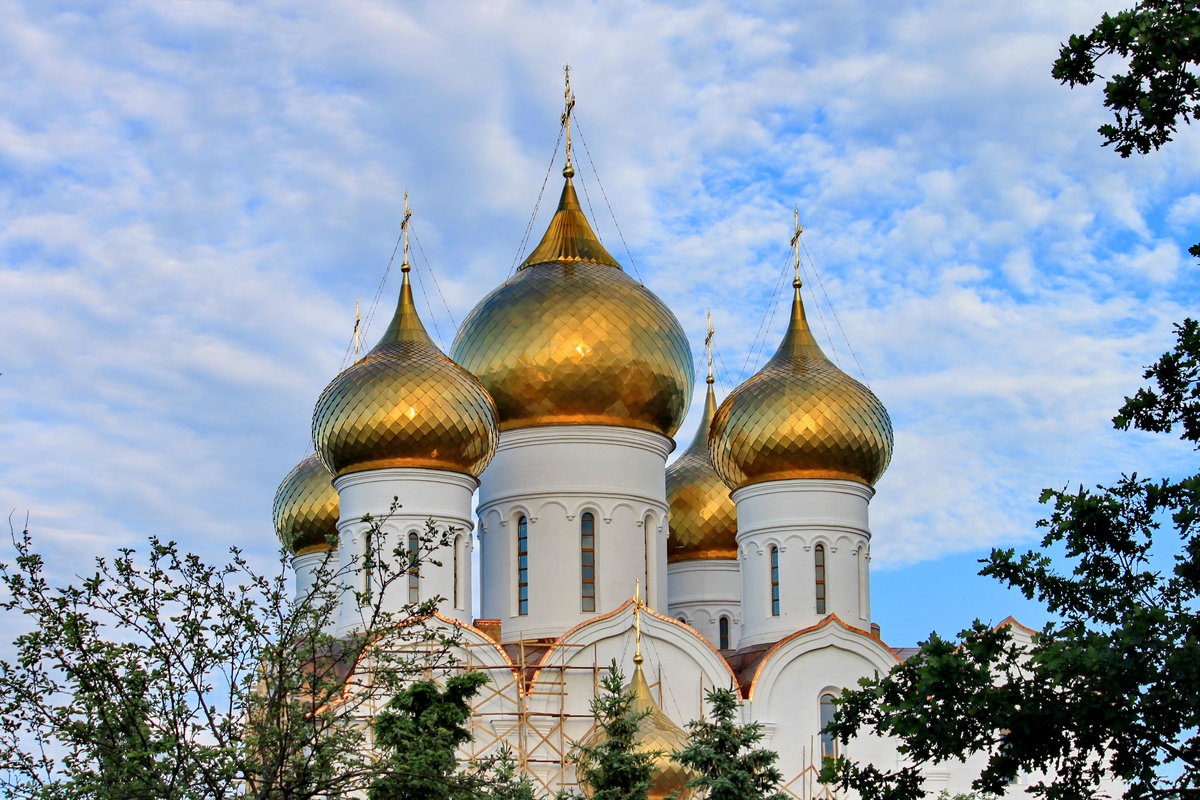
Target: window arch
819, 570
587, 562
414, 570
828, 742
723, 632
774, 580
522, 565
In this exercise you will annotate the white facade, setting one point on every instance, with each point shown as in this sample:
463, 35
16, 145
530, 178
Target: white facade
398, 504
534, 502
791, 531
707, 595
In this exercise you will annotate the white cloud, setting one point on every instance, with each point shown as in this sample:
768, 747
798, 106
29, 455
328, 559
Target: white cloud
194, 194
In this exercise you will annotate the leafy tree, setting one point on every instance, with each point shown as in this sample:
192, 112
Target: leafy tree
160, 676
724, 755
611, 764
1158, 43
419, 732
1113, 686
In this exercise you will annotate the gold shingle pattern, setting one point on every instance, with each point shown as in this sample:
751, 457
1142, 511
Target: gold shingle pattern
569, 236
703, 518
306, 507
578, 342
405, 404
800, 417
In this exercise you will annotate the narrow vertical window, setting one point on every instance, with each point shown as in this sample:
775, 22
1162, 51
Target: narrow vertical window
723, 632
587, 561
774, 581
522, 566
819, 564
828, 743
368, 562
457, 566
414, 569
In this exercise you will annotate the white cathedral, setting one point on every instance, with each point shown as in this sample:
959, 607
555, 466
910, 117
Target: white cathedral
556, 409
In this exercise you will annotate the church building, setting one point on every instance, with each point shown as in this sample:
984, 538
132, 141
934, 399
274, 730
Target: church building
743, 563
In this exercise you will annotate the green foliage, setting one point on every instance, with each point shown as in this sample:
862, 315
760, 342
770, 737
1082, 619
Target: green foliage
1113, 686
613, 767
724, 755
419, 732
160, 676
1158, 42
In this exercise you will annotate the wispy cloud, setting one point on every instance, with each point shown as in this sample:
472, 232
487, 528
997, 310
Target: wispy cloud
195, 193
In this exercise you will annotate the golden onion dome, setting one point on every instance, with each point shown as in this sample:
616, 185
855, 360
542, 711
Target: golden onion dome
306, 508
703, 518
656, 734
405, 404
572, 339
800, 417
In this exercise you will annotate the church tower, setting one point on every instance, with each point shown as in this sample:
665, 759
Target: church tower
591, 375
702, 568
405, 432
801, 444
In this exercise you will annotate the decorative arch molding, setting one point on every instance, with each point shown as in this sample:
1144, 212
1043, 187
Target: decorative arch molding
831, 632
545, 507
809, 527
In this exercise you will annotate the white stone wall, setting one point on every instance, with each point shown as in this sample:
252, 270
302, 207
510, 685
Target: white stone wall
700, 592
552, 475
423, 494
795, 516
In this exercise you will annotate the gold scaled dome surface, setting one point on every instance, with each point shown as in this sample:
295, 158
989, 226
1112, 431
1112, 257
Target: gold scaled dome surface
658, 734
306, 508
405, 404
572, 339
800, 417
703, 518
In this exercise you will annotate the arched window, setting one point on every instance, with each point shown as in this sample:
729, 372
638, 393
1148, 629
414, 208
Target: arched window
774, 581
819, 564
723, 632
587, 562
828, 743
414, 570
522, 566
457, 566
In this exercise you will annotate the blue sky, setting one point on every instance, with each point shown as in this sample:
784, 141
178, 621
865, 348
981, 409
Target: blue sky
195, 193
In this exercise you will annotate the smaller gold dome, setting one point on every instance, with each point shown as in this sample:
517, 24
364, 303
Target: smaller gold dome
800, 417
405, 404
657, 734
306, 508
703, 518
571, 339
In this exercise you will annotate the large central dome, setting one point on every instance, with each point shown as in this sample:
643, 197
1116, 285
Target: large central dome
571, 339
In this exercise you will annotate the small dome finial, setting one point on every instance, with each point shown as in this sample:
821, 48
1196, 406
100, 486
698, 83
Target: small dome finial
708, 348
799, 229
404, 265
569, 104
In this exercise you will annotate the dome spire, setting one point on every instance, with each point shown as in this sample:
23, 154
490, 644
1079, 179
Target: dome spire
708, 349
799, 229
799, 339
406, 325
570, 236
569, 105
404, 266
